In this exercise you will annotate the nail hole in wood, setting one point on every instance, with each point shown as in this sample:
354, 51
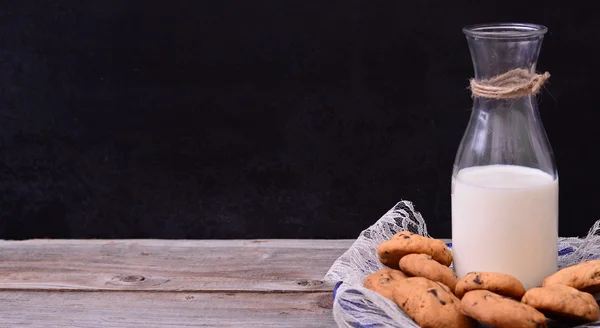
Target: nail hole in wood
133, 278
310, 282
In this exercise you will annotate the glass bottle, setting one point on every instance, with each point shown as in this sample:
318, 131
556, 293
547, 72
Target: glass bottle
505, 182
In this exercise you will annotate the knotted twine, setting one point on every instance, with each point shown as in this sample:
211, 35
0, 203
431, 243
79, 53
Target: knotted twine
515, 83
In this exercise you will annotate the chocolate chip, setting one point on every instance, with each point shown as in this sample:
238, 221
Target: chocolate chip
434, 293
477, 280
405, 237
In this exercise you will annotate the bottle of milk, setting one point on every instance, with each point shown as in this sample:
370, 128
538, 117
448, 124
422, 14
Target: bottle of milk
505, 182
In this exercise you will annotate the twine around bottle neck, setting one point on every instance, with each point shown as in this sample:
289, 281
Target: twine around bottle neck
515, 83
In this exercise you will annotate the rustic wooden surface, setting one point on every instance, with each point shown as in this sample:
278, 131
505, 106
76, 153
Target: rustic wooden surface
161, 283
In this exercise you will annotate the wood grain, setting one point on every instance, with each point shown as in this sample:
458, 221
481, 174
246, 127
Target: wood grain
167, 283
168, 309
163, 265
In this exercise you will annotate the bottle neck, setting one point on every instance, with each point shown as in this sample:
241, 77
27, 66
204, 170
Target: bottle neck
505, 131
495, 56
492, 57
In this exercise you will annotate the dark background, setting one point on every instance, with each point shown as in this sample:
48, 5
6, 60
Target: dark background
263, 119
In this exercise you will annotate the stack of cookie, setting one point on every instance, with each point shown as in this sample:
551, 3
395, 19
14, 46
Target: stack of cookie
418, 279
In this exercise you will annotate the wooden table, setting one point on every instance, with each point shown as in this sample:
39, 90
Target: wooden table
160, 283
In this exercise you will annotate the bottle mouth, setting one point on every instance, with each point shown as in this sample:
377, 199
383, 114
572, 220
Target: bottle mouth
505, 31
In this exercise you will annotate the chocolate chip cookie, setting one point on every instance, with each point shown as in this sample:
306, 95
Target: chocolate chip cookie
499, 311
499, 283
403, 243
430, 304
584, 276
423, 265
563, 302
383, 280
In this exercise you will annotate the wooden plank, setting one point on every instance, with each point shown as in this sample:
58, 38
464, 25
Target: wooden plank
166, 309
168, 265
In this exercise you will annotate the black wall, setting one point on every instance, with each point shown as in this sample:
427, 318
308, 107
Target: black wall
263, 119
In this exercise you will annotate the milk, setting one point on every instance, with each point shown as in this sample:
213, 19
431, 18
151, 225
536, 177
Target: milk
505, 219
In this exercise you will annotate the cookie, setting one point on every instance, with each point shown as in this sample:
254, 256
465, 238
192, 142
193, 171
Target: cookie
403, 243
584, 276
423, 265
430, 304
499, 283
383, 280
499, 311
563, 302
